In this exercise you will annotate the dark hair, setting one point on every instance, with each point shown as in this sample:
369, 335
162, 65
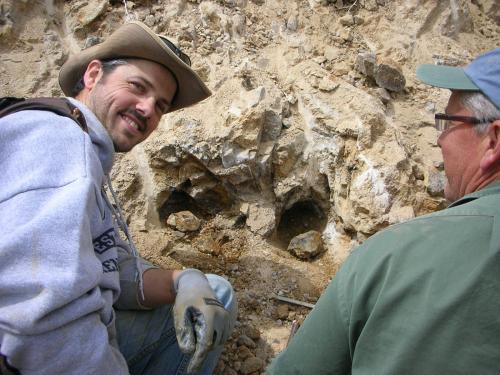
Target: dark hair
107, 67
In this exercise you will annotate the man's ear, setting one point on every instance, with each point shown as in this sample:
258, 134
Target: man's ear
92, 74
491, 157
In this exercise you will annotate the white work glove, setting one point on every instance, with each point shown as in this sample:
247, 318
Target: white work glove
201, 321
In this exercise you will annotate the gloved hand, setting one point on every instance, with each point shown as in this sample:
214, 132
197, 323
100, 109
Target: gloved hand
201, 321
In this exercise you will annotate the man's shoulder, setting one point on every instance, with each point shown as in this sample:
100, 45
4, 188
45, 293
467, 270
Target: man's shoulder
47, 125
61, 106
41, 134
41, 149
443, 230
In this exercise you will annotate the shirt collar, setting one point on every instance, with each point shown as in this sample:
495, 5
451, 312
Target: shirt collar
492, 188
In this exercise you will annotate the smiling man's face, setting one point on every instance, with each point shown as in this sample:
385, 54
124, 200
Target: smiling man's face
129, 100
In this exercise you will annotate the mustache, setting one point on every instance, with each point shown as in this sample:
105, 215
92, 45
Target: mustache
142, 119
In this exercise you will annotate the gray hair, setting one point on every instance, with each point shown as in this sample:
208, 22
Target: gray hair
481, 108
107, 67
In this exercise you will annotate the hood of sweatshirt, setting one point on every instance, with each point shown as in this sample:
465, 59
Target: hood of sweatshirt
103, 144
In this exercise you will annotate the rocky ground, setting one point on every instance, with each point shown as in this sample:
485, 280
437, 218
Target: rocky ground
317, 123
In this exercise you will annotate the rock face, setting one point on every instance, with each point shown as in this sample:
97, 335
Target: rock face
300, 112
316, 123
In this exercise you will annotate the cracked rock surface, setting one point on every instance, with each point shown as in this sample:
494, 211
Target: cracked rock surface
317, 123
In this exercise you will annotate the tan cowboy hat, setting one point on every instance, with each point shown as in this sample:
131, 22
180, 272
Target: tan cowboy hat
136, 40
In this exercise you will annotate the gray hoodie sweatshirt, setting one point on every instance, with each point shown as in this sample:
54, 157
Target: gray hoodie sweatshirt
63, 264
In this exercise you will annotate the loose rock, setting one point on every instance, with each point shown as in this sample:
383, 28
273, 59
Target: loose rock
389, 77
365, 63
184, 221
251, 332
347, 20
292, 24
252, 364
281, 311
306, 245
247, 341
437, 181
229, 371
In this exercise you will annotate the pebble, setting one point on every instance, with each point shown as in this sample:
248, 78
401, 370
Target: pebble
178, 234
244, 352
92, 41
292, 24
251, 332
331, 53
358, 20
233, 267
261, 353
237, 365
383, 95
366, 62
437, 181
430, 107
282, 311
150, 20
252, 364
347, 20
247, 341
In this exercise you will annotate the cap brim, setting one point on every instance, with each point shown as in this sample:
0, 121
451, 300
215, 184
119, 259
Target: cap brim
447, 77
136, 40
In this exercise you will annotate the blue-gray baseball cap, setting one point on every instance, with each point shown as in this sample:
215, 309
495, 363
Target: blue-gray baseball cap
482, 74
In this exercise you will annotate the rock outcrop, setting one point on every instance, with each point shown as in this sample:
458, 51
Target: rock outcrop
316, 123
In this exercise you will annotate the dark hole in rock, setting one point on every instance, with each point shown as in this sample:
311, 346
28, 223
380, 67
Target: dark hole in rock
302, 217
181, 201
214, 201
205, 206
240, 221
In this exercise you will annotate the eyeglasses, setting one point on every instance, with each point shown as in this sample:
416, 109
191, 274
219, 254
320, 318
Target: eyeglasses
442, 120
181, 55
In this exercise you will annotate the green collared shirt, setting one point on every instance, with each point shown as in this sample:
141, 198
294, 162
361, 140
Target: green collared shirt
421, 297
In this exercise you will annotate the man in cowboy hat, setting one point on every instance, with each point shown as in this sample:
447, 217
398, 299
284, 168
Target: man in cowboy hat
422, 297
74, 297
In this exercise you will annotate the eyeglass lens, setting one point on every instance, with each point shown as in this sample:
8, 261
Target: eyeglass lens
442, 120
441, 124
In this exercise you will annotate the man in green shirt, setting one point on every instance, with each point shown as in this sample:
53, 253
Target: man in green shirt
423, 297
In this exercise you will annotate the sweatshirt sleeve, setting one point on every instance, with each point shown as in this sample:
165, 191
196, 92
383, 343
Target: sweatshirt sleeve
53, 314
130, 267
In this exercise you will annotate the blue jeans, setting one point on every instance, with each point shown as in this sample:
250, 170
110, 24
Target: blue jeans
147, 338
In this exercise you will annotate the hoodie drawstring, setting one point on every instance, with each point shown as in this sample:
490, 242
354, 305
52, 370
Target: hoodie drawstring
117, 213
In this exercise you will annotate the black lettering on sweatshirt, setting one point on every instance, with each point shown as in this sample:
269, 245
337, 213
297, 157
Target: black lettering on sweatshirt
105, 241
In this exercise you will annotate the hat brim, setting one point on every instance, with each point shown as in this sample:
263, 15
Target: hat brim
447, 77
136, 40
